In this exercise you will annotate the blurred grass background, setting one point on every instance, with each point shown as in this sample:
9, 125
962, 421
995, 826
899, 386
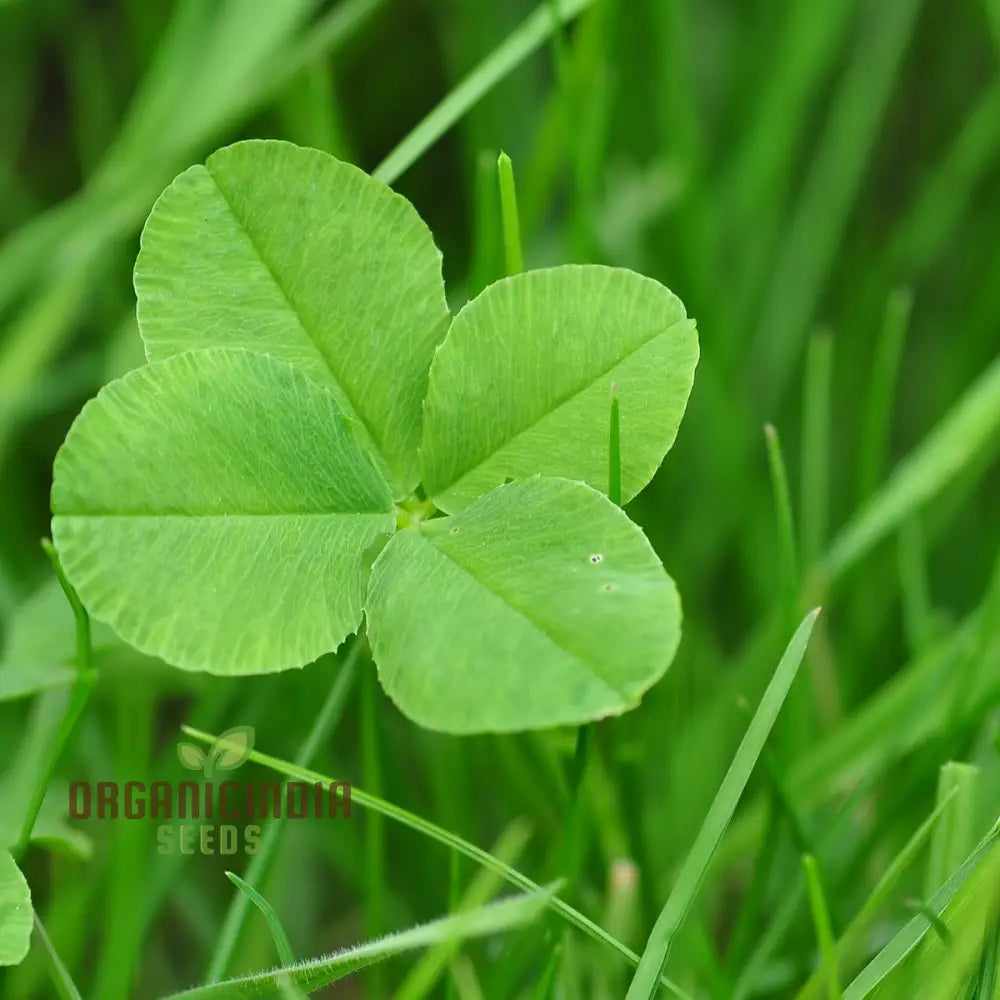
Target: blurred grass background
819, 183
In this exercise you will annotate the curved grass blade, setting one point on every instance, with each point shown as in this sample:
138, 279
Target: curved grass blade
984, 860
239, 909
454, 843
519, 44
970, 427
645, 983
286, 986
319, 972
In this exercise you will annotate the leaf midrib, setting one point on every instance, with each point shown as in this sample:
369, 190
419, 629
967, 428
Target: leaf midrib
530, 620
568, 397
354, 413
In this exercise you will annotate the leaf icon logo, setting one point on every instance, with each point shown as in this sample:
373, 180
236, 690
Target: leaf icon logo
227, 753
190, 756
230, 750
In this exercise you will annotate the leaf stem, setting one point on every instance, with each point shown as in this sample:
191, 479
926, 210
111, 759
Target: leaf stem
78, 698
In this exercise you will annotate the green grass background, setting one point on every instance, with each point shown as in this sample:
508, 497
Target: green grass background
819, 183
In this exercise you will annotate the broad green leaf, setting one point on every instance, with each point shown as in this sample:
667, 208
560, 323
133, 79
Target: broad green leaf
214, 509
540, 605
290, 252
319, 972
521, 383
15, 912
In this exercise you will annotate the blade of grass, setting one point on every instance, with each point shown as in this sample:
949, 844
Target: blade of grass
319, 972
281, 943
910, 936
875, 427
615, 450
425, 974
239, 911
758, 172
955, 836
485, 265
463, 977
417, 823
58, 972
288, 989
971, 425
519, 44
783, 515
824, 932
853, 938
645, 983
814, 501
816, 228
914, 585
78, 698
987, 985
513, 255
374, 863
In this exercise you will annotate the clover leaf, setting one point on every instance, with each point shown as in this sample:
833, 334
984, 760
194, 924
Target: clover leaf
15, 912
220, 507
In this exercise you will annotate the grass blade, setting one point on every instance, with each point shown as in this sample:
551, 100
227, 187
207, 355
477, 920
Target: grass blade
366, 801
281, 943
854, 935
815, 497
981, 861
954, 837
519, 44
817, 226
425, 974
646, 980
513, 255
969, 427
319, 972
824, 932
286, 987
783, 511
239, 909
874, 438
58, 972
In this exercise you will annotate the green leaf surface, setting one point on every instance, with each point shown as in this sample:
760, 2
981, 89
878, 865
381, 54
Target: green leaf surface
520, 385
319, 972
293, 253
214, 509
540, 605
15, 912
